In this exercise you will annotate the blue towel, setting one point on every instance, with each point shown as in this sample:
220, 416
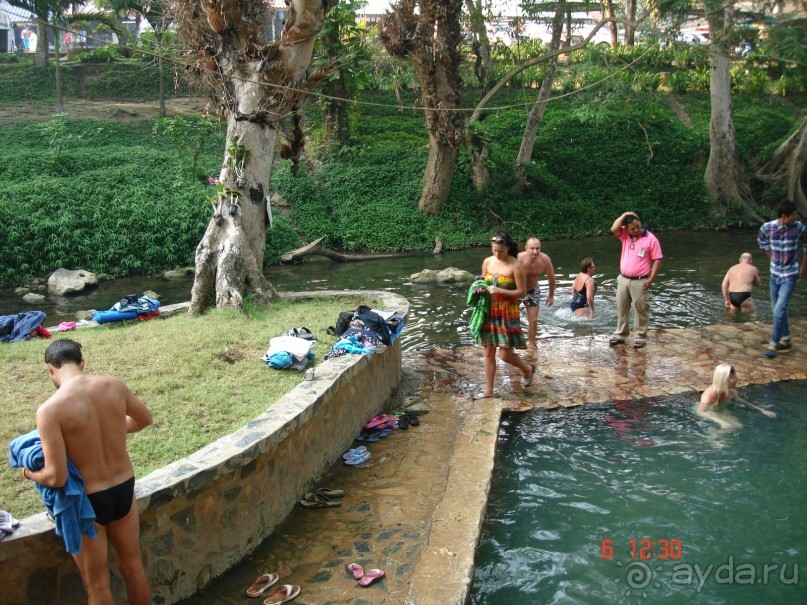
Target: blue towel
18, 327
68, 505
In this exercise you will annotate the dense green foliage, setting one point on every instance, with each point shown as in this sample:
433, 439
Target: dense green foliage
24, 81
123, 198
21, 80
114, 199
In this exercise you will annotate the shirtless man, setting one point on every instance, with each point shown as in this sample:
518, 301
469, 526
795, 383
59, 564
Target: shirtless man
535, 264
739, 282
87, 420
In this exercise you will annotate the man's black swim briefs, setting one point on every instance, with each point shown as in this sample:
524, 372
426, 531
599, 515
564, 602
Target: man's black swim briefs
113, 503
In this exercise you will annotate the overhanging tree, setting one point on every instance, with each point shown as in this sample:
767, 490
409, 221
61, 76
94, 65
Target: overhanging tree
428, 34
255, 83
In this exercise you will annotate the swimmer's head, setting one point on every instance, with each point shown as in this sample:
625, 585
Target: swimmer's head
745, 257
721, 381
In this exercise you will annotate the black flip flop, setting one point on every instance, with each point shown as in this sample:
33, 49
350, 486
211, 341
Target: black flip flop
413, 419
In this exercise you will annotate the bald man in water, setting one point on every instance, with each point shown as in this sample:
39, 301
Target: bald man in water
535, 263
739, 282
87, 420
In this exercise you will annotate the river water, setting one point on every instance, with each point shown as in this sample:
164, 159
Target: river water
687, 292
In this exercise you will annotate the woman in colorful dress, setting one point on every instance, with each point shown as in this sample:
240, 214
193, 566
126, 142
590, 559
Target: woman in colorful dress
502, 329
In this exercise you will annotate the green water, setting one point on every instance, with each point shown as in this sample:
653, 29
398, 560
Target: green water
734, 502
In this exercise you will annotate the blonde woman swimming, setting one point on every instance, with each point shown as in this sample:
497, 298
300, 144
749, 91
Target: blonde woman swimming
721, 391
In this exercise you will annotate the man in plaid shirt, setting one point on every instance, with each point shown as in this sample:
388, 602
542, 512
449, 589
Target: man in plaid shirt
780, 239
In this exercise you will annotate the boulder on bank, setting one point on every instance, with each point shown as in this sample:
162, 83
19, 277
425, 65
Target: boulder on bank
33, 298
449, 275
64, 281
181, 273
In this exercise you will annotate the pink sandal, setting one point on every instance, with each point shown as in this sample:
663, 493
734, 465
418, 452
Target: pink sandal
370, 576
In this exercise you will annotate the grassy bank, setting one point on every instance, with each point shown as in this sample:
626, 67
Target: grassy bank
119, 198
201, 377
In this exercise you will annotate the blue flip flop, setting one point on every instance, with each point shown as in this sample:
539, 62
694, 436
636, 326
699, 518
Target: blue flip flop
354, 452
358, 459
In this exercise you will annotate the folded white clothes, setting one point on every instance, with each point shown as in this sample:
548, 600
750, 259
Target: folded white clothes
296, 347
385, 315
7, 524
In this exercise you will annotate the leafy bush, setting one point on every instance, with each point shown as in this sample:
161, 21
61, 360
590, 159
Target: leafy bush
104, 54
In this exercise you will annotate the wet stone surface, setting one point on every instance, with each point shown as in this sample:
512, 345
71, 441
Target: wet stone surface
416, 507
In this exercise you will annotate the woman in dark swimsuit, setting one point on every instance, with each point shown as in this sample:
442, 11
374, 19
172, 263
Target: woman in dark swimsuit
583, 290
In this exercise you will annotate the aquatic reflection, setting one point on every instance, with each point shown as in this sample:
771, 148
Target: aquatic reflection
687, 292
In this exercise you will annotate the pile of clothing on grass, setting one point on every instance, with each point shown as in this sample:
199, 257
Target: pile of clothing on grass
22, 326
362, 331
131, 306
293, 350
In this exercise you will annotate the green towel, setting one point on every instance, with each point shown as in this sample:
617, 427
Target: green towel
481, 304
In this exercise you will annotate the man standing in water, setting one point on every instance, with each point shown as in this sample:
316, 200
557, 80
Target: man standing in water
639, 265
87, 421
780, 239
535, 264
739, 282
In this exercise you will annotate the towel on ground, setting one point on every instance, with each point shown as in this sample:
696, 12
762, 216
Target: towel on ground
296, 347
68, 505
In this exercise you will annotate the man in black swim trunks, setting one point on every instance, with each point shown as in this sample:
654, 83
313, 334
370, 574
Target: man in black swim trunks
87, 421
739, 282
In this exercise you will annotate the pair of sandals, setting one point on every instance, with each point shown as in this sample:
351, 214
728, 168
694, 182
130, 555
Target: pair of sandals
357, 456
323, 498
281, 594
617, 340
367, 577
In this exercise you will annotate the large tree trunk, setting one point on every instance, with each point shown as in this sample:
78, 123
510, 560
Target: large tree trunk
229, 37
787, 168
725, 176
42, 50
483, 64
337, 129
612, 26
524, 156
630, 27
431, 40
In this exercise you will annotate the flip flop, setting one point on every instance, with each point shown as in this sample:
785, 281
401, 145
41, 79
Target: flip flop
316, 501
377, 421
481, 395
331, 493
356, 570
372, 437
526, 382
357, 460
417, 412
282, 594
354, 452
639, 344
413, 420
370, 576
261, 584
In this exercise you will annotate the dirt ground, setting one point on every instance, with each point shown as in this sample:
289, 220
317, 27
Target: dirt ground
106, 109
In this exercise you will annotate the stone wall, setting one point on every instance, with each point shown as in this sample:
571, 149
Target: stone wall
202, 515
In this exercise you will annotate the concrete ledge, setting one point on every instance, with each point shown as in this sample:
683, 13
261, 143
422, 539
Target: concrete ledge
203, 514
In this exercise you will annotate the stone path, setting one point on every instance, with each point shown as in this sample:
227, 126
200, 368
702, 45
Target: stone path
416, 508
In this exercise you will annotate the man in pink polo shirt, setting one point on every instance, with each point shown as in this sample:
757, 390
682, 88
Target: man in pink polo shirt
638, 267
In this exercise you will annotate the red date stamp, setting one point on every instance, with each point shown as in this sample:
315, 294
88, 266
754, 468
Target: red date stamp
646, 549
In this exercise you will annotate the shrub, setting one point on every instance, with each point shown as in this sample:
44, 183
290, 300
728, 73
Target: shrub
104, 54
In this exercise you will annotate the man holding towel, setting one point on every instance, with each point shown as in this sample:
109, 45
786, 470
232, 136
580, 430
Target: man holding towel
86, 421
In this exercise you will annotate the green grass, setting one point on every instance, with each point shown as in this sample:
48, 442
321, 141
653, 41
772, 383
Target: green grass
201, 377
